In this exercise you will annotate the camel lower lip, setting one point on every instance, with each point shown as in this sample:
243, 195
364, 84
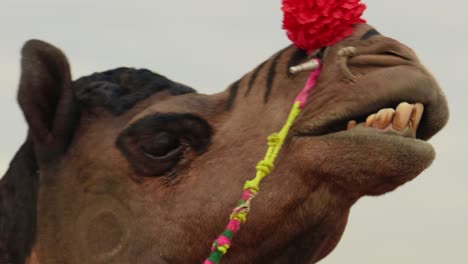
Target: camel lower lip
377, 144
363, 130
388, 131
367, 152
366, 135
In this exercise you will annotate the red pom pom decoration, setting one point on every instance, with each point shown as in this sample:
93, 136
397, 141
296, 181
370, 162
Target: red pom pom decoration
312, 24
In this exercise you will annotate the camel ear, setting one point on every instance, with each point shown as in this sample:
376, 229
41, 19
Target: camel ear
46, 97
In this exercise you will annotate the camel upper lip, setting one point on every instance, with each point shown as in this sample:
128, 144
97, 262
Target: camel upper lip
422, 89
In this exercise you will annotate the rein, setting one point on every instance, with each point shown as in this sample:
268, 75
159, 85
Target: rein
251, 188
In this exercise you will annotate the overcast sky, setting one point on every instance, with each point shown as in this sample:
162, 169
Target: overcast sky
210, 43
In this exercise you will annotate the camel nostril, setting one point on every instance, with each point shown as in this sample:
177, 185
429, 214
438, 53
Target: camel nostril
397, 54
384, 54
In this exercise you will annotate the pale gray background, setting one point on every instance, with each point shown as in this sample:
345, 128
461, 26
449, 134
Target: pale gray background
210, 43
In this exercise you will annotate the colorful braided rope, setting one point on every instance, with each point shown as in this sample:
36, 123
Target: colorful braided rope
275, 142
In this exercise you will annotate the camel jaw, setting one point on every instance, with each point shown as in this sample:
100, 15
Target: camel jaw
354, 131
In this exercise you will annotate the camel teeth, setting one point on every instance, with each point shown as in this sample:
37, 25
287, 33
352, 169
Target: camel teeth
404, 120
351, 124
370, 119
402, 116
416, 117
383, 118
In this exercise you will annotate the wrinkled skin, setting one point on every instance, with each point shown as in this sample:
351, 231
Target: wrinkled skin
98, 202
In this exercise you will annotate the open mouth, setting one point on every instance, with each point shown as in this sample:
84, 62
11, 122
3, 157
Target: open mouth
405, 120
413, 108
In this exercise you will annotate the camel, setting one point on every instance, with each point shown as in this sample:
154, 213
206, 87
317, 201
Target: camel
127, 166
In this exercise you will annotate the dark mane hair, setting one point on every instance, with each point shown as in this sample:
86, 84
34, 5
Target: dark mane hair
18, 196
119, 89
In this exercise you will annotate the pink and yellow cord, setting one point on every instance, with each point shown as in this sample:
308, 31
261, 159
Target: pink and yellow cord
275, 142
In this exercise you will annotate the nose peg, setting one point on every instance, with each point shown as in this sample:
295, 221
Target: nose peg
306, 66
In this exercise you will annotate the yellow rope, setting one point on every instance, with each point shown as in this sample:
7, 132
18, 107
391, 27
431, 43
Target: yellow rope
275, 143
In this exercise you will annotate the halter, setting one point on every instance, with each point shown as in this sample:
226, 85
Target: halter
265, 166
309, 24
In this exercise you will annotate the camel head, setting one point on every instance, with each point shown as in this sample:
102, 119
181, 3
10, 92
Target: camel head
127, 166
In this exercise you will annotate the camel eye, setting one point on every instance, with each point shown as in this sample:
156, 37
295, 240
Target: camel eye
163, 145
155, 145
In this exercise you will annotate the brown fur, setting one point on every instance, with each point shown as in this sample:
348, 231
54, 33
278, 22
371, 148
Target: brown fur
94, 208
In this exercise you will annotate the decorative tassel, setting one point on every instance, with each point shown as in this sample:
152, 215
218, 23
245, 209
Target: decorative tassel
312, 24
